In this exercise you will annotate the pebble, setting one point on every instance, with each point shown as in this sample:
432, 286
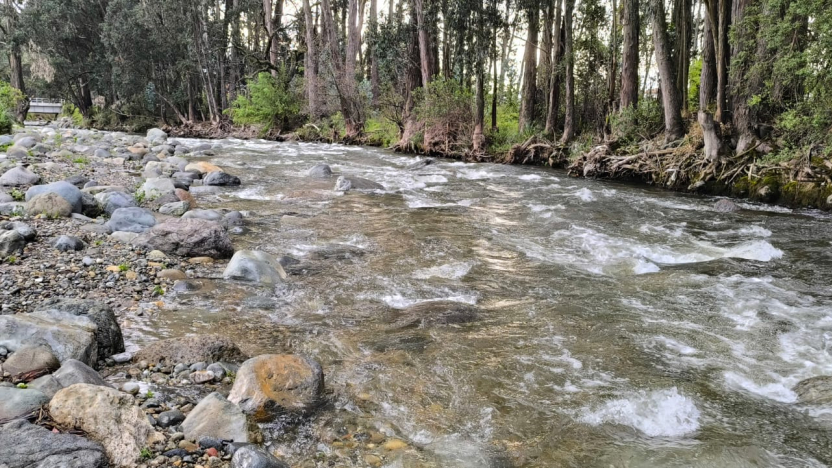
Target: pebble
121, 358
202, 376
131, 388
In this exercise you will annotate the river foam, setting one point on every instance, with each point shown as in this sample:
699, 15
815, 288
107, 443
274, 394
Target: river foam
658, 413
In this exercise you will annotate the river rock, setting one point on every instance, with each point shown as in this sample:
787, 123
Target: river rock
169, 418
344, 184
17, 152
88, 314
254, 266
160, 168
26, 141
321, 171
271, 384
89, 206
67, 340
67, 191
77, 180
101, 153
106, 416
220, 178
133, 219
184, 195
156, 187
20, 403
28, 232
252, 456
156, 136
18, 176
202, 167
202, 376
210, 215
175, 208
188, 238
69, 244
46, 384
73, 372
815, 390
25, 445
111, 201
421, 164
31, 358
190, 349
726, 206
49, 204
11, 242
218, 418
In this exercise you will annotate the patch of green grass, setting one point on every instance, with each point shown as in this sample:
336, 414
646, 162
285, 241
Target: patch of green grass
22, 385
11, 259
381, 131
98, 242
6, 146
81, 160
157, 290
123, 267
146, 454
149, 394
17, 195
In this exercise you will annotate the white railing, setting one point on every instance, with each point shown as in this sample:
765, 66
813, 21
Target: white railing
46, 101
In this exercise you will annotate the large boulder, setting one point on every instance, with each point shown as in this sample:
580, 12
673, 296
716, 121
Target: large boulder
321, 171
271, 384
11, 242
156, 187
254, 266
345, 184
726, 206
107, 416
20, 403
67, 191
218, 418
74, 372
25, 445
188, 238
88, 314
191, 349
252, 456
49, 204
111, 201
220, 178
17, 152
202, 167
133, 219
31, 359
19, 175
67, 340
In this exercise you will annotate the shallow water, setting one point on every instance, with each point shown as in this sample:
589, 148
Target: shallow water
621, 326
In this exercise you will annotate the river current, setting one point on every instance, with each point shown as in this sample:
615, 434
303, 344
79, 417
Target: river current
619, 326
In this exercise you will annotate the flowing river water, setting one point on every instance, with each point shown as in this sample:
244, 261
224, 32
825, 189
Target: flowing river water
618, 326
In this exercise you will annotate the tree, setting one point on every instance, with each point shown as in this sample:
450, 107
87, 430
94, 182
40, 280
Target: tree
628, 95
671, 101
529, 87
569, 59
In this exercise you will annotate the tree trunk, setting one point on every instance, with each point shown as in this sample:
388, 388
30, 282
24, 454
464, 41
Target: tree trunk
745, 82
530, 70
671, 103
425, 59
545, 64
569, 59
16, 72
612, 77
478, 139
553, 99
494, 74
413, 79
269, 23
683, 26
310, 69
707, 95
373, 53
508, 35
446, 42
629, 55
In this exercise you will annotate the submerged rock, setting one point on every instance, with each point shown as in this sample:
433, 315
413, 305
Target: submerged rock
107, 416
321, 171
271, 384
432, 313
726, 206
420, 164
251, 456
218, 418
345, 184
25, 445
190, 349
814, 390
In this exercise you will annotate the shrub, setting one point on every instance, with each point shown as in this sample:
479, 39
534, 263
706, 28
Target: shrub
445, 108
269, 103
9, 99
637, 123
69, 110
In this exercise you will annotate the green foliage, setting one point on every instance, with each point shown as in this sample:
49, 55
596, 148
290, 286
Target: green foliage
139, 196
637, 123
149, 394
158, 291
507, 134
11, 259
325, 129
69, 110
17, 195
694, 76
123, 267
381, 131
446, 108
22, 385
269, 103
9, 99
145, 453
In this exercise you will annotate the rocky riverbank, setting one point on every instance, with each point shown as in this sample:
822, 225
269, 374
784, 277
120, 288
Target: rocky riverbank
93, 228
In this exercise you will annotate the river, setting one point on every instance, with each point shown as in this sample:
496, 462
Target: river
618, 325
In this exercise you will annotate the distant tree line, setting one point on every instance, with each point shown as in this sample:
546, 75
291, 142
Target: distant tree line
440, 75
